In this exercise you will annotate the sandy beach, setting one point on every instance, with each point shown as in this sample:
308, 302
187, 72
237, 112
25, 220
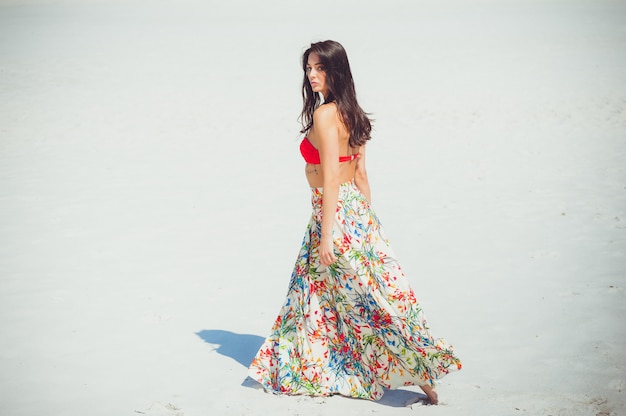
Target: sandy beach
153, 201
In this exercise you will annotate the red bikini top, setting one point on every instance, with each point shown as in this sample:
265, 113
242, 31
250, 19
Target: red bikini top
312, 156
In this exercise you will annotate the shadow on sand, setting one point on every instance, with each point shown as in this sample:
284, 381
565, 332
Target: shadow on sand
402, 398
240, 347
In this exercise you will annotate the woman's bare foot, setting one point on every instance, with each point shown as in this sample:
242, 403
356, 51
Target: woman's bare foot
430, 393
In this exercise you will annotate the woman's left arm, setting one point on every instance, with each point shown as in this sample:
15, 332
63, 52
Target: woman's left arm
326, 122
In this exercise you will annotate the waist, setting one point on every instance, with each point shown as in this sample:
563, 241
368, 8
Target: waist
315, 176
345, 186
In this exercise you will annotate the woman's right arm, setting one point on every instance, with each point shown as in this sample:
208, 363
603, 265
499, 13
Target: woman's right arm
360, 175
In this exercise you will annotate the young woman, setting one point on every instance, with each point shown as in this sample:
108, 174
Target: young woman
350, 324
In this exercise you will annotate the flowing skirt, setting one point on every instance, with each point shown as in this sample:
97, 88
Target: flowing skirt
353, 328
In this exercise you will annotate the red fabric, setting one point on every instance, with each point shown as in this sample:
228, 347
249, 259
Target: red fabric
312, 156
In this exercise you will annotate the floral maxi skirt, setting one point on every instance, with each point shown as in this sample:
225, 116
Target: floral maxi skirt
353, 328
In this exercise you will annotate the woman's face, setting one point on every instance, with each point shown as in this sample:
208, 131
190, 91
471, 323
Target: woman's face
316, 73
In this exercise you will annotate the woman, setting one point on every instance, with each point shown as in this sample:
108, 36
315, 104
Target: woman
350, 324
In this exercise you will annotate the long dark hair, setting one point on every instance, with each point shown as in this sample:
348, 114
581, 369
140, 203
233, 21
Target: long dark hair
340, 90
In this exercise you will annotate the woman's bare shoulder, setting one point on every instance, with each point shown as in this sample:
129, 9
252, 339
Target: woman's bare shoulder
325, 112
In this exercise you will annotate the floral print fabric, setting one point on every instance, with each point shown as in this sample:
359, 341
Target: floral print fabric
354, 327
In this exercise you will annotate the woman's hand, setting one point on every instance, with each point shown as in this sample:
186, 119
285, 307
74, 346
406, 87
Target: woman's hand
326, 253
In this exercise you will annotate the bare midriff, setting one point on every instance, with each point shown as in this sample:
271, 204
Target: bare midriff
315, 176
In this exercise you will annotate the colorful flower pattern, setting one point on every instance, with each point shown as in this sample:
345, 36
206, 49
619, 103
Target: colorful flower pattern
352, 328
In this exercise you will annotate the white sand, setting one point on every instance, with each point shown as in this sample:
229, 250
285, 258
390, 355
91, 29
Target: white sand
152, 200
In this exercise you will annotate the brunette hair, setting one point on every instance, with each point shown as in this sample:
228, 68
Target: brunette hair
341, 90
